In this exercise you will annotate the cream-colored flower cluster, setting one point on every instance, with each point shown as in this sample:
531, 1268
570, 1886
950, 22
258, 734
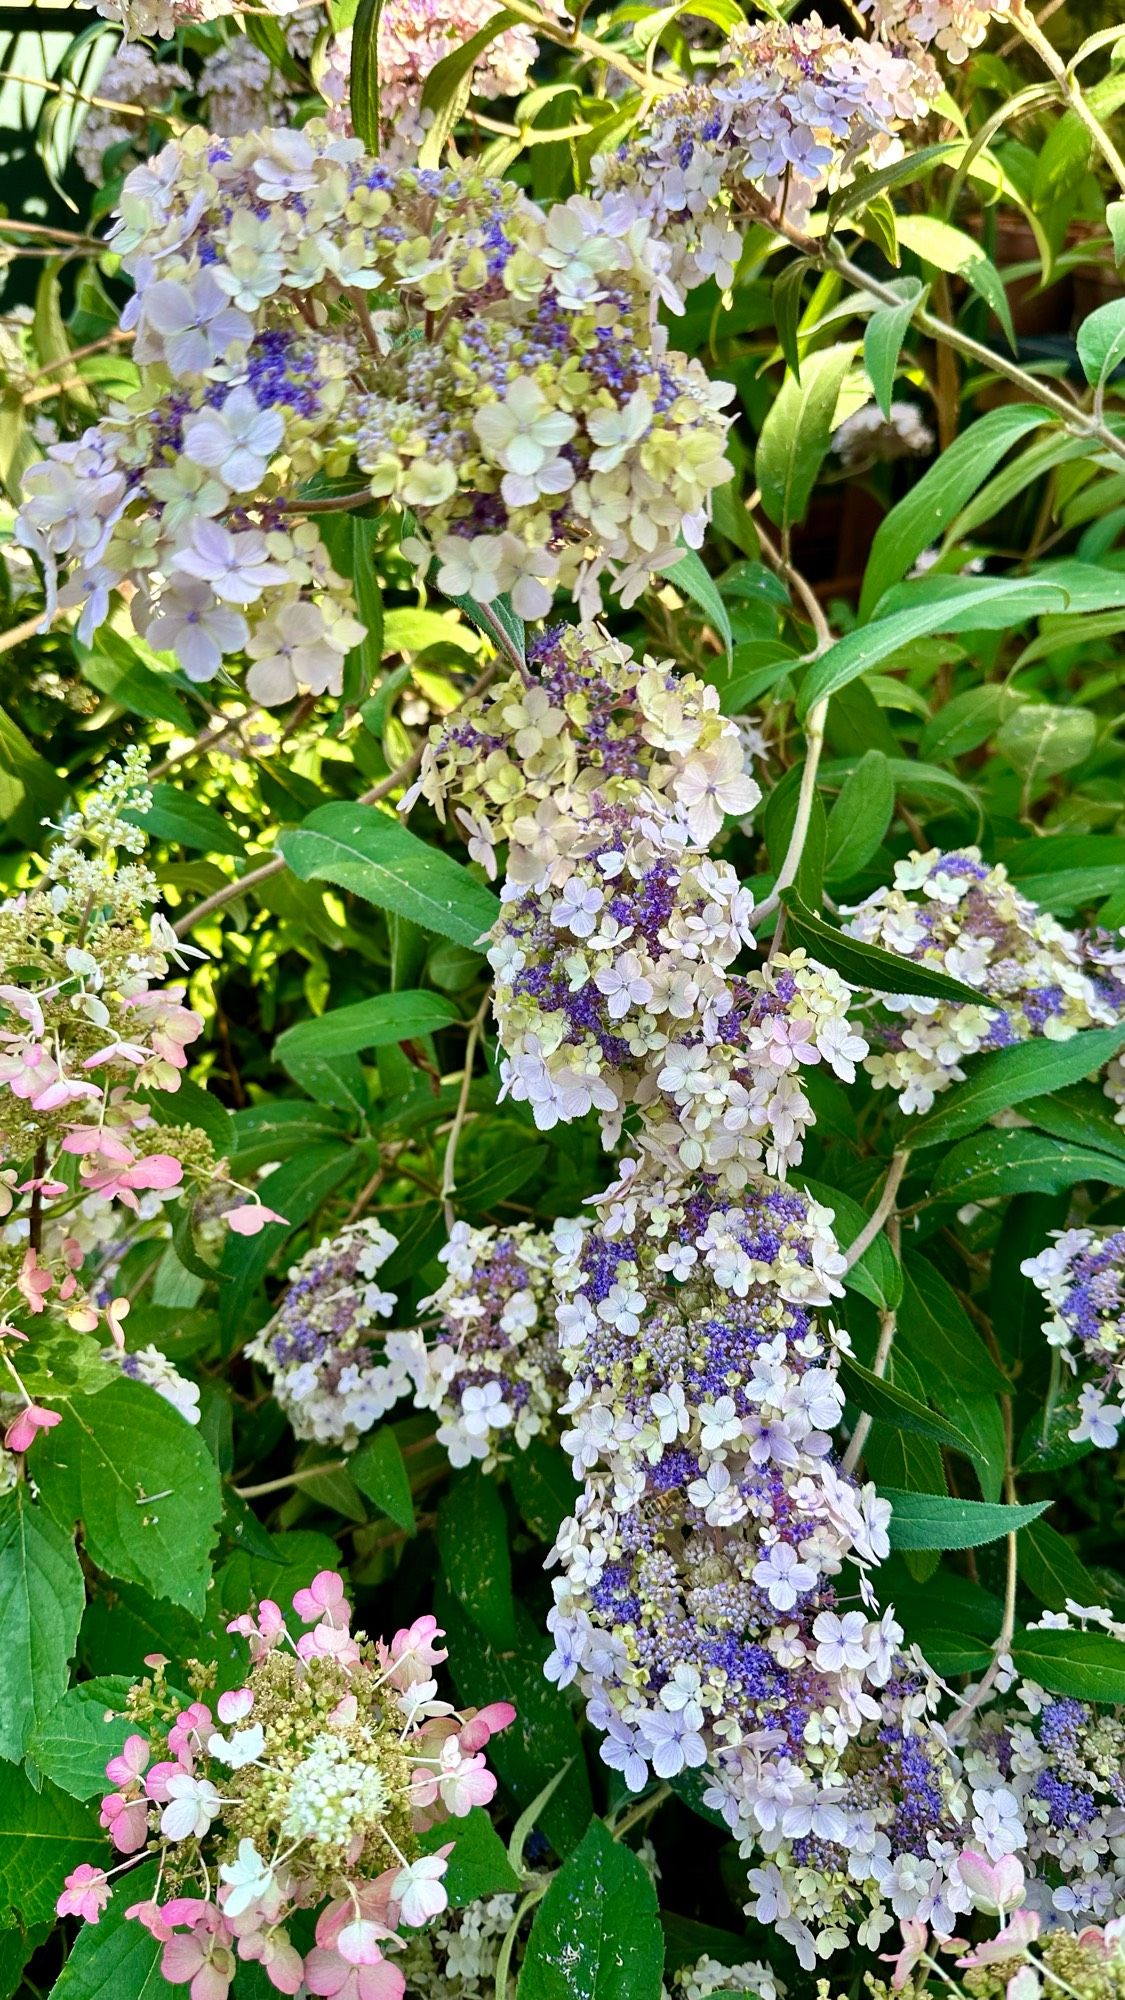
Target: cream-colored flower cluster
588, 724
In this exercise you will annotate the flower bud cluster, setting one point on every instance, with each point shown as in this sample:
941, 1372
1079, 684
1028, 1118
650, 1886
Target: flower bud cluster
435, 338
307, 1791
588, 725
954, 913
331, 1367
790, 111
1082, 1278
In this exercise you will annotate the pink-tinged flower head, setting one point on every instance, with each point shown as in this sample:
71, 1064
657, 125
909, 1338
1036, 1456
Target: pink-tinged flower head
33, 1283
279, 1959
412, 1653
914, 1935
235, 1706
1021, 1930
153, 1918
190, 1729
265, 1633
126, 1821
419, 1890
330, 1975
486, 1723
324, 1599
993, 1885
158, 1171
20, 1435
203, 1960
250, 1217
463, 1782
130, 1762
328, 1642
85, 1895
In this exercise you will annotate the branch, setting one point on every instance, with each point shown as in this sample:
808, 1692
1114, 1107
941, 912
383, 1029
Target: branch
881, 1212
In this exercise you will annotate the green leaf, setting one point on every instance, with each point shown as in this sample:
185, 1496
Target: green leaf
446, 90
74, 1741
1101, 342
295, 1190
968, 720
883, 338
868, 965
937, 1332
371, 854
877, 1275
363, 82
1088, 1665
1040, 738
859, 819
893, 1406
785, 309
379, 1470
919, 517
935, 1521
690, 575
1006, 1077
1050, 1568
142, 1483
176, 816
478, 1865
42, 1598
999, 1163
472, 1537
950, 1653
1083, 1114
950, 250
368, 1024
544, 1486
596, 1934
43, 1835
797, 432
116, 672
976, 604
117, 1958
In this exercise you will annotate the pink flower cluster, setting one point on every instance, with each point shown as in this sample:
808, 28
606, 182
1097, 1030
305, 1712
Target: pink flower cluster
307, 1789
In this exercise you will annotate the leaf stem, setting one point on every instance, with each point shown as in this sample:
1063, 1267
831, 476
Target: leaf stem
887, 1325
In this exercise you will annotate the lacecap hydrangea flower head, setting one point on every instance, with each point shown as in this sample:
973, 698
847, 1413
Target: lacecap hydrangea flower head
306, 1790
627, 932
696, 1602
790, 111
587, 725
302, 310
1081, 1275
490, 1371
333, 1369
954, 912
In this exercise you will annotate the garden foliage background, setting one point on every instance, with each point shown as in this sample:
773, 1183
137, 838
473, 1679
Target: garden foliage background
804, 871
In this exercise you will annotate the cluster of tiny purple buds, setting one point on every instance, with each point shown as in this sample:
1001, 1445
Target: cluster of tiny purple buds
1081, 1275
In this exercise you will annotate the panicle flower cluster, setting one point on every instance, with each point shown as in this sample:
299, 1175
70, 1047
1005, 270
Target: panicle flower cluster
1082, 1277
713, 1519
306, 1791
791, 110
333, 1370
302, 310
588, 725
955, 26
627, 931
868, 437
131, 77
706, 1978
952, 912
456, 1958
85, 1018
493, 1375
